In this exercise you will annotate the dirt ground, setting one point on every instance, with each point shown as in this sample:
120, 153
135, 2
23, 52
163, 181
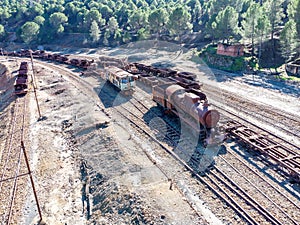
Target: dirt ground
89, 165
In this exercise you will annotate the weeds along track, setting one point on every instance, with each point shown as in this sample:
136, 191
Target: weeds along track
279, 119
13, 172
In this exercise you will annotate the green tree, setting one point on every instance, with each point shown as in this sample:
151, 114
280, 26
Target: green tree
197, 14
106, 12
157, 20
106, 36
36, 9
226, 24
138, 19
113, 25
21, 12
288, 40
74, 12
263, 28
294, 13
39, 20
274, 11
4, 15
113, 32
143, 34
29, 32
179, 21
249, 24
94, 31
2, 32
58, 20
93, 15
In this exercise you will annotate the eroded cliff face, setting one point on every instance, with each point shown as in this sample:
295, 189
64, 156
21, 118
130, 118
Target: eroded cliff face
6, 85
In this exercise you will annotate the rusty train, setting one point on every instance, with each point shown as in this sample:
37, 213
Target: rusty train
21, 82
180, 93
60, 58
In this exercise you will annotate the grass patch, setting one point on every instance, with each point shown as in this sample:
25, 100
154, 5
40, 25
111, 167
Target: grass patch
290, 78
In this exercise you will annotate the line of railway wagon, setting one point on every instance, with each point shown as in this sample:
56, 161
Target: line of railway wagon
178, 92
41, 54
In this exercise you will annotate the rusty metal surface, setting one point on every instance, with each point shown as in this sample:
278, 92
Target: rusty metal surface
288, 160
21, 81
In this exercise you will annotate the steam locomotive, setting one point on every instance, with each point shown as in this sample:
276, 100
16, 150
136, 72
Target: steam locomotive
179, 93
192, 107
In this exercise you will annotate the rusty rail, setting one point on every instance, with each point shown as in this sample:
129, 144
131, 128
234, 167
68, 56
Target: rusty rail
230, 197
285, 158
12, 163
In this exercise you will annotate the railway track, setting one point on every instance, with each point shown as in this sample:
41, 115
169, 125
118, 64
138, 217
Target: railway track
219, 182
13, 182
74, 79
283, 121
277, 151
280, 153
172, 139
266, 191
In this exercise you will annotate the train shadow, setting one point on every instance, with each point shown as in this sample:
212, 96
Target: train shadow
185, 143
111, 96
6, 101
162, 125
146, 88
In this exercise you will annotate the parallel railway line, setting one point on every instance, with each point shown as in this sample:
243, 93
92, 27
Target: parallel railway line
13, 171
172, 138
284, 121
216, 179
278, 151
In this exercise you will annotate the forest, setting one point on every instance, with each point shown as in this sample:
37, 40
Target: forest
114, 22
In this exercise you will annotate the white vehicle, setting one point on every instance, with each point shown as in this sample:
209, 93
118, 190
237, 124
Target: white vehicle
123, 80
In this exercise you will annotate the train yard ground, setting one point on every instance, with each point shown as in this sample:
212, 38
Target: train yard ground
96, 161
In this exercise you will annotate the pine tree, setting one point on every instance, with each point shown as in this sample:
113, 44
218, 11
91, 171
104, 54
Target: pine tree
288, 39
274, 11
94, 31
226, 24
249, 24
